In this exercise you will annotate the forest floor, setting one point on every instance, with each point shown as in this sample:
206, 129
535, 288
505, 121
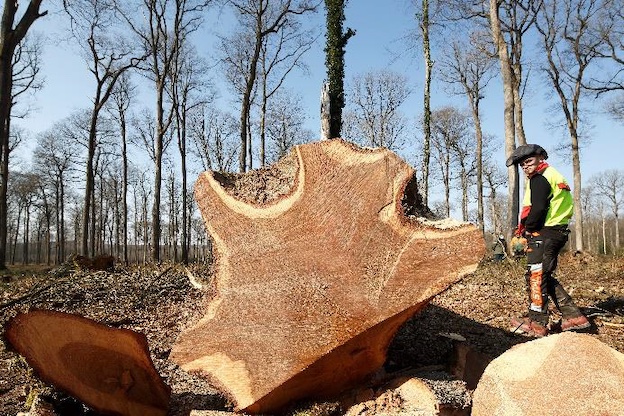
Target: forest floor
160, 301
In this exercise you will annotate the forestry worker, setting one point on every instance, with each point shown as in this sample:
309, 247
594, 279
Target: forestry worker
546, 212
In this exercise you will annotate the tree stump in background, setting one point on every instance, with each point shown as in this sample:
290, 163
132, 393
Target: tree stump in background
312, 286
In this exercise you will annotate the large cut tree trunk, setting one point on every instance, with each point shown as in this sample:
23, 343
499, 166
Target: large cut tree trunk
312, 286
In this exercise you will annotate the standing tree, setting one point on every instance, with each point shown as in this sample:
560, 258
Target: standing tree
121, 97
12, 33
188, 87
214, 137
334, 61
449, 127
25, 191
259, 22
513, 199
109, 55
571, 41
285, 124
463, 151
281, 54
518, 17
610, 185
375, 116
164, 34
55, 157
508, 22
423, 19
469, 68
495, 178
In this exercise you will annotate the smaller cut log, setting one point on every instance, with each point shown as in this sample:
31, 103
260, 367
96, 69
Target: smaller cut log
562, 374
108, 369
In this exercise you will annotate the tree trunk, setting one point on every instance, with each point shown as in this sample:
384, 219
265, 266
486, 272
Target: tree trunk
185, 219
476, 117
617, 231
343, 277
246, 102
11, 35
88, 228
158, 155
325, 115
578, 212
604, 235
509, 106
26, 237
427, 102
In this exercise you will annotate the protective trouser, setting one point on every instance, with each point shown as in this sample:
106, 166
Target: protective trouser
542, 255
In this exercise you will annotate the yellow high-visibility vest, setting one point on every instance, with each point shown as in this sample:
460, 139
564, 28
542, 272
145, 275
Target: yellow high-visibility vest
561, 202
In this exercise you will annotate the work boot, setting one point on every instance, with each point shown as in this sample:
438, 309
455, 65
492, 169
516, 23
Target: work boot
575, 323
525, 325
563, 301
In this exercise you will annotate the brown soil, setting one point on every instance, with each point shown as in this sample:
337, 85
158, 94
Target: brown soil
160, 301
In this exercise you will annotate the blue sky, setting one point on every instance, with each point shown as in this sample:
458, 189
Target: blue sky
380, 27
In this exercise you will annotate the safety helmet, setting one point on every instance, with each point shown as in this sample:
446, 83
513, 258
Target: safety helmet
524, 151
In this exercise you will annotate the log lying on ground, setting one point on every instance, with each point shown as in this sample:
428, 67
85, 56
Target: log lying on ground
563, 374
312, 287
108, 369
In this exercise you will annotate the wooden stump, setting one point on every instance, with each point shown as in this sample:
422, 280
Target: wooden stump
312, 287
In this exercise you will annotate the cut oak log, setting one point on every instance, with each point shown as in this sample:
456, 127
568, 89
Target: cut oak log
563, 374
312, 287
108, 369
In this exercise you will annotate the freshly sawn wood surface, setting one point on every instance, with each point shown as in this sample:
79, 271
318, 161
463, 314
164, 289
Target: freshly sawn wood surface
311, 287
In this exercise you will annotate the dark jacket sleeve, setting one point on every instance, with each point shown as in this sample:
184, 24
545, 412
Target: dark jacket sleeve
540, 201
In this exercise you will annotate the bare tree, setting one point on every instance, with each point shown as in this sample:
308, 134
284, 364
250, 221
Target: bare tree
285, 124
108, 53
500, 44
214, 136
142, 193
610, 77
463, 151
508, 22
610, 185
174, 207
589, 201
56, 158
424, 24
259, 22
188, 91
449, 127
495, 178
377, 97
280, 55
121, 98
25, 194
164, 34
570, 41
12, 33
468, 70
